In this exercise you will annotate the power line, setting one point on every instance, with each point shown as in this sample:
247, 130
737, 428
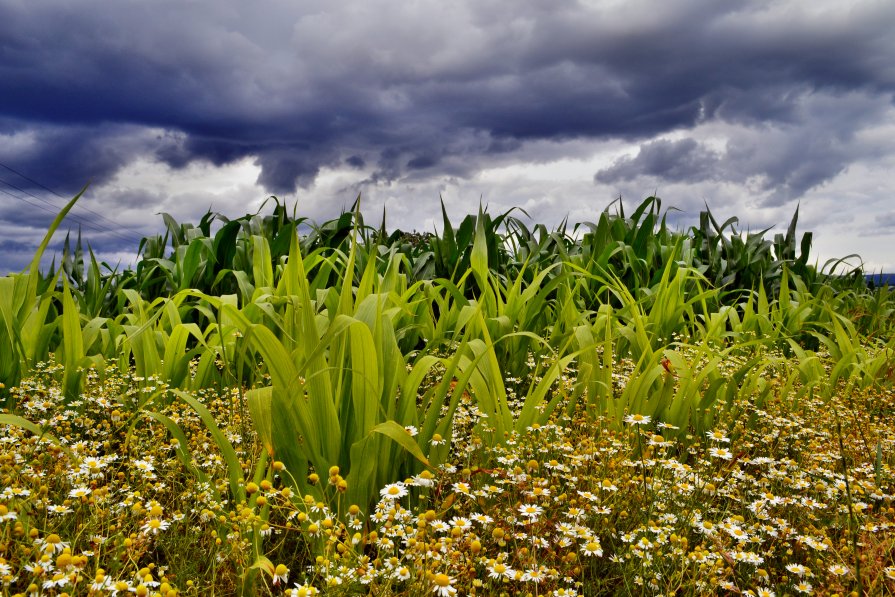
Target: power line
48, 189
114, 230
46, 209
54, 209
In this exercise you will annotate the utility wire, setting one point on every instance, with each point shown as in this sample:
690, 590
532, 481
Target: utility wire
54, 209
48, 189
37, 205
115, 226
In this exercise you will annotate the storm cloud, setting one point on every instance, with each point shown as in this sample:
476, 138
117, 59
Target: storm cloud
780, 97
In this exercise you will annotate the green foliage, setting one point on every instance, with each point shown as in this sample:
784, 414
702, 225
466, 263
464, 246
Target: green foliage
25, 303
328, 331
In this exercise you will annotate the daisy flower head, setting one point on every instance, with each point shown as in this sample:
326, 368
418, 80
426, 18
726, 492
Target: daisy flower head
144, 465
442, 585
722, 453
461, 487
797, 569
482, 519
534, 575
575, 513
706, 527
280, 574
608, 485
718, 436
58, 580
154, 526
393, 491
52, 543
304, 590
123, 588
638, 419
79, 492
838, 569
499, 569
101, 583
424, 479
592, 548
531, 511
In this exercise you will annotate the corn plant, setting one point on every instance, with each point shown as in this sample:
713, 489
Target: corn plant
333, 387
25, 328
635, 249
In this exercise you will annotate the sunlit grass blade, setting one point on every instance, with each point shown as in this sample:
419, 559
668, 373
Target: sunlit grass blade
73, 346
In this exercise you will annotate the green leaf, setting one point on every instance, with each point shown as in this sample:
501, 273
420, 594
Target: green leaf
260, 401
479, 257
397, 433
262, 266
73, 346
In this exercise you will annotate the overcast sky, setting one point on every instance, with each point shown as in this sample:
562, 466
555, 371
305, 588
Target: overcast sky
750, 106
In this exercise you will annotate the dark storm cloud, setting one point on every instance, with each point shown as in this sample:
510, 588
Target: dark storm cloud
670, 160
429, 88
816, 143
66, 157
